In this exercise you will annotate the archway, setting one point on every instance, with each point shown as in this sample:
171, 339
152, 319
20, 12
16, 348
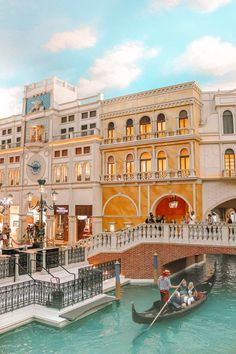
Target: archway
170, 214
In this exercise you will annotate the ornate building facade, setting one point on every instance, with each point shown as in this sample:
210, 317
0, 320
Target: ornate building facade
168, 151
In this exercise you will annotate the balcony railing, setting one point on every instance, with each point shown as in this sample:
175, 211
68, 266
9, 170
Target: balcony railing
149, 176
79, 134
10, 146
229, 173
149, 135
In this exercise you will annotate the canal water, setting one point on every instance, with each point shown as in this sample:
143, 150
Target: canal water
209, 329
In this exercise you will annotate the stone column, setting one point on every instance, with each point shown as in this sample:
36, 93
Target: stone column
72, 231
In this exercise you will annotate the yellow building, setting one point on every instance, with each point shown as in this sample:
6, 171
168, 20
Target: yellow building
150, 155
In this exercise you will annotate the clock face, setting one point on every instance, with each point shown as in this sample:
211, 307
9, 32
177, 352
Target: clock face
35, 167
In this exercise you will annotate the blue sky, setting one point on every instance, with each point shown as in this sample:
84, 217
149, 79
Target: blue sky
115, 46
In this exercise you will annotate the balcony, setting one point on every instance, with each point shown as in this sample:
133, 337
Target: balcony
150, 176
79, 134
10, 146
162, 135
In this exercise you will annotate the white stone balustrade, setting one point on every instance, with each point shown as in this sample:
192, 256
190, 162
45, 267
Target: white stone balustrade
218, 234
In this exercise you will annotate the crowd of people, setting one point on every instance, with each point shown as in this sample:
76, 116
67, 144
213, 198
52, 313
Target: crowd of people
184, 296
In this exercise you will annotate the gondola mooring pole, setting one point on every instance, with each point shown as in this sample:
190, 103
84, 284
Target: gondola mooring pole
155, 268
117, 271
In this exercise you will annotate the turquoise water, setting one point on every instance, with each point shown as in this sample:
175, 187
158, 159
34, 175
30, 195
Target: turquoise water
211, 328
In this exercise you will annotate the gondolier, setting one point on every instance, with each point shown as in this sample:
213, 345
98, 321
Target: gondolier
165, 285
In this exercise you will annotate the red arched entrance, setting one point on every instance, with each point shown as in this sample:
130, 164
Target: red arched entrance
170, 214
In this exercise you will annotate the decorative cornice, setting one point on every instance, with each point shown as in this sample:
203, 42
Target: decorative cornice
153, 107
154, 92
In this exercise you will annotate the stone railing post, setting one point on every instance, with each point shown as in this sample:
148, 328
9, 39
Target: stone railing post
17, 257
66, 250
32, 263
166, 233
225, 234
185, 233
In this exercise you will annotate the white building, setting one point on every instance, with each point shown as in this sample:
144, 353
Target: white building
57, 139
217, 153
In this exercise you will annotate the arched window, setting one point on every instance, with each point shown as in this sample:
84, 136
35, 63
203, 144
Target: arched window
111, 131
161, 125
129, 129
184, 162
87, 170
229, 162
228, 125
79, 172
183, 122
145, 127
129, 168
145, 163
110, 165
161, 161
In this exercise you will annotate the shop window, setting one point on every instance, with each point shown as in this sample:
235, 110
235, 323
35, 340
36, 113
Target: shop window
161, 125
129, 169
145, 128
229, 160
183, 122
161, 161
63, 119
78, 151
228, 125
92, 114
79, 172
57, 153
110, 165
87, 150
84, 115
64, 153
145, 163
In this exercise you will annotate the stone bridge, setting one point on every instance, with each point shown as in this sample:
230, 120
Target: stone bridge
177, 246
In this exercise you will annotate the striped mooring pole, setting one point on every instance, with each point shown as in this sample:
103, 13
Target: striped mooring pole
155, 268
117, 271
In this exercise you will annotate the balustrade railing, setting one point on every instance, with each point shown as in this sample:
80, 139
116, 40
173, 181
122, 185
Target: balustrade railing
7, 267
217, 234
150, 176
76, 255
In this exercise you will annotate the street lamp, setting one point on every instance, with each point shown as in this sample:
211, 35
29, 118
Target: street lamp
42, 206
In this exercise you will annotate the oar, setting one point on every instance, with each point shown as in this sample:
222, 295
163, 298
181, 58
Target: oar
163, 307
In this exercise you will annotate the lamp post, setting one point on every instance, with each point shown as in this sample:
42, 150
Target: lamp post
42, 206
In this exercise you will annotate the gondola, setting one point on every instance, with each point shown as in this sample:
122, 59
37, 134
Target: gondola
173, 310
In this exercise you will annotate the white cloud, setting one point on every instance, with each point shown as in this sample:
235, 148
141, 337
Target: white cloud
80, 38
226, 84
199, 5
208, 56
10, 101
116, 69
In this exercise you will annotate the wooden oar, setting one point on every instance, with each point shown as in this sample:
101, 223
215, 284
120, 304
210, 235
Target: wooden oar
163, 308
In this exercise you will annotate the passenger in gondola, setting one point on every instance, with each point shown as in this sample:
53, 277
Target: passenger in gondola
165, 285
191, 295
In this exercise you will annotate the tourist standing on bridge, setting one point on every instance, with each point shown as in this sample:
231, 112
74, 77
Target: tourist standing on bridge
165, 285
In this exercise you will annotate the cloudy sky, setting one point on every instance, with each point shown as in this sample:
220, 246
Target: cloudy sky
115, 46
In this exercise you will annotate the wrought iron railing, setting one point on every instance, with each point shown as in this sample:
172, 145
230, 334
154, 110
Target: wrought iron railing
106, 269
76, 255
52, 294
7, 267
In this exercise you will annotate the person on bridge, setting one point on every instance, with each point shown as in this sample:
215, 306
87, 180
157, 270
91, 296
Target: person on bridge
165, 285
